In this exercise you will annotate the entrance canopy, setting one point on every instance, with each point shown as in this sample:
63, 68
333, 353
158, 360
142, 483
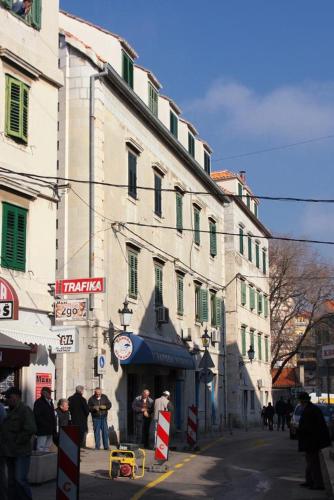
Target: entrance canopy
147, 351
13, 354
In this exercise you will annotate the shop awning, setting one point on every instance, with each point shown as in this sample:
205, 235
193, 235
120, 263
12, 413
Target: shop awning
147, 351
13, 354
30, 334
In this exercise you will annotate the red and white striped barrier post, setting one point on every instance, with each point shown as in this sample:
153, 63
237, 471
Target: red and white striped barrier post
192, 425
68, 472
162, 437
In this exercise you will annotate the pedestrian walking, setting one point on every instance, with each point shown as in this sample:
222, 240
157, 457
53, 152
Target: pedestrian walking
280, 410
313, 435
79, 410
161, 404
45, 419
264, 417
63, 417
143, 409
289, 413
3, 479
270, 412
99, 405
16, 432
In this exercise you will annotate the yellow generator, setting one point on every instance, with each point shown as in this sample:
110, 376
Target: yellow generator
124, 462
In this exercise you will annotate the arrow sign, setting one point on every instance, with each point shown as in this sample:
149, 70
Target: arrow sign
206, 361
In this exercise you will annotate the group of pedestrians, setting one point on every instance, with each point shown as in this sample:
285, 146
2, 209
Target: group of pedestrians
283, 409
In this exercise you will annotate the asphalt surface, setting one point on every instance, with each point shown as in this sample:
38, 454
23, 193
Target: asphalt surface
251, 465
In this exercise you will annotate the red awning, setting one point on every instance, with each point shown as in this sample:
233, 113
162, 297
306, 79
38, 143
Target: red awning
13, 354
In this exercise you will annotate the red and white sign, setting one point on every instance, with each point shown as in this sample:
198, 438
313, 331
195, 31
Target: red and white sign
9, 302
162, 438
42, 380
68, 472
192, 425
80, 285
123, 347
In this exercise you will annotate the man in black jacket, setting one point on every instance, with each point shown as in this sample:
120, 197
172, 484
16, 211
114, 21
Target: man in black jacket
313, 435
280, 410
99, 405
44, 413
79, 412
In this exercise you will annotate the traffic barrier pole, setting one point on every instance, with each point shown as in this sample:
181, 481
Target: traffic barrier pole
68, 470
192, 426
162, 439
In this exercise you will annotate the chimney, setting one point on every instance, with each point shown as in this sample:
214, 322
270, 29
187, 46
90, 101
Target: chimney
242, 175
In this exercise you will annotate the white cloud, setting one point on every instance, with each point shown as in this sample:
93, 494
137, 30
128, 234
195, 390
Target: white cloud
288, 112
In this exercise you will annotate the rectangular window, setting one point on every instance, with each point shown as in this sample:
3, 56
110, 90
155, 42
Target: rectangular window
174, 124
14, 229
265, 306
266, 349
158, 296
243, 340
251, 338
251, 298
213, 238
252, 400
127, 70
256, 209
241, 240
153, 99
213, 308
201, 304
257, 254
132, 175
17, 104
250, 256
259, 348
179, 294
179, 212
248, 201
31, 14
198, 303
207, 162
259, 303
240, 190
157, 195
191, 144
197, 226
264, 261
243, 293
133, 274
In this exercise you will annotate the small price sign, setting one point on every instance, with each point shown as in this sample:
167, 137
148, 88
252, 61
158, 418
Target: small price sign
71, 310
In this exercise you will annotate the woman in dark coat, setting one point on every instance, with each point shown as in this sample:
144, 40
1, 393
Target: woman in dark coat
313, 435
79, 412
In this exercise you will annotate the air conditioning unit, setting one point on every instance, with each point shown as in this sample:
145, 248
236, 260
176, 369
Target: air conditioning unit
259, 383
215, 336
162, 314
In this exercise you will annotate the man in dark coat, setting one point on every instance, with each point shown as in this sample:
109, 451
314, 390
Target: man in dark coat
270, 412
143, 409
313, 435
44, 414
79, 412
280, 410
63, 417
99, 405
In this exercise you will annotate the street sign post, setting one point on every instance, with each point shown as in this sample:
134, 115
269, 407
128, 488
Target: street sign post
101, 364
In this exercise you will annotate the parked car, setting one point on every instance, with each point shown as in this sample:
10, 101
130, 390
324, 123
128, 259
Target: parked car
327, 411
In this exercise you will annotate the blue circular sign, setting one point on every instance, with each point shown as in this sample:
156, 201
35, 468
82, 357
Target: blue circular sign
102, 361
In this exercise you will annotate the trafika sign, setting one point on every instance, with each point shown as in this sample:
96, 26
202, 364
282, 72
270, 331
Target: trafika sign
80, 285
9, 302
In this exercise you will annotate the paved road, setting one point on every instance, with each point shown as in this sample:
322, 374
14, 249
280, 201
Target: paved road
254, 465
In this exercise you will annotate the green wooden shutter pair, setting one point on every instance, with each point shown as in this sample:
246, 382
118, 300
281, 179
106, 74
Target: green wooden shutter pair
191, 144
180, 302
197, 234
241, 240
128, 69
213, 239
251, 298
17, 105
257, 255
14, 225
157, 195
259, 339
243, 293
243, 340
158, 286
179, 212
204, 306
133, 274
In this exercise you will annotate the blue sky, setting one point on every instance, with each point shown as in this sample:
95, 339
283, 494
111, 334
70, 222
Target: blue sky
251, 75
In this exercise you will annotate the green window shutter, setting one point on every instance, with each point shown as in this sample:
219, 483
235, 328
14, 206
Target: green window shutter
248, 200
240, 190
133, 274
264, 262
197, 234
204, 305
266, 349
256, 210
191, 144
207, 162
7, 3
132, 175
173, 124
127, 70
158, 286
14, 225
243, 293
179, 283
251, 298
36, 14
250, 256
251, 337
25, 112
153, 99
213, 239
257, 255
213, 308
17, 96
259, 339
259, 303
157, 195
241, 240
265, 305
179, 212
219, 311
243, 340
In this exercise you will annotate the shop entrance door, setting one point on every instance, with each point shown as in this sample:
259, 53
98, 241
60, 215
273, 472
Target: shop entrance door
132, 393
158, 386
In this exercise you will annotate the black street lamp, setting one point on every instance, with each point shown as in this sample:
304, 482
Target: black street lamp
125, 315
205, 339
251, 353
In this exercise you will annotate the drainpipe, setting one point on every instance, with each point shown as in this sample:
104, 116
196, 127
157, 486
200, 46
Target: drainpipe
93, 77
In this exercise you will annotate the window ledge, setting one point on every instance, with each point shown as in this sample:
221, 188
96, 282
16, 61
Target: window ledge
180, 316
131, 300
158, 218
133, 200
179, 233
197, 246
